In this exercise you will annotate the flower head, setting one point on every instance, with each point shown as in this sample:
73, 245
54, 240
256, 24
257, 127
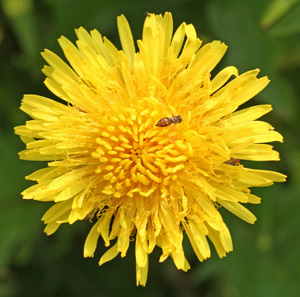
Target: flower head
148, 145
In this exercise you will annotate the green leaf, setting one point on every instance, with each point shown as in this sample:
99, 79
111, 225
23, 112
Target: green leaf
22, 17
289, 24
276, 10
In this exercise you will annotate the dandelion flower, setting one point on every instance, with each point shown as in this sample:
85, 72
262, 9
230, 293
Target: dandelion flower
142, 181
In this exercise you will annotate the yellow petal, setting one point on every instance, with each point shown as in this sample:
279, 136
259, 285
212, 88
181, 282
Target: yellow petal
109, 255
126, 38
141, 263
57, 212
225, 239
167, 31
91, 241
215, 237
179, 260
197, 239
222, 77
51, 228
239, 210
247, 114
257, 152
178, 38
207, 58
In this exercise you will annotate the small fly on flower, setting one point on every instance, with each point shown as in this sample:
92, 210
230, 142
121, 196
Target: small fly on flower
164, 122
167, 121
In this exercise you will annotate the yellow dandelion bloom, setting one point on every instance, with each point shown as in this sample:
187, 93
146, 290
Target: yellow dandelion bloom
148, 145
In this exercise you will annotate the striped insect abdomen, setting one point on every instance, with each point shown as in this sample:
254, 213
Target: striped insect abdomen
164, 122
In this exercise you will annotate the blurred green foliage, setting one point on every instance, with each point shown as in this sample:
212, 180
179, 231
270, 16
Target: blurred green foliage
266, 261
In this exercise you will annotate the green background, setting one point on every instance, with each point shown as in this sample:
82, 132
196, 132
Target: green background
261, 34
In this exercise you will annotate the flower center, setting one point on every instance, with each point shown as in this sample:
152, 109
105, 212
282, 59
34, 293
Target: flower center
135, 156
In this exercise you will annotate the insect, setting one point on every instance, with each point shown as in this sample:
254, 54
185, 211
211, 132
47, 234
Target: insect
164, 122
167, 121
232, 161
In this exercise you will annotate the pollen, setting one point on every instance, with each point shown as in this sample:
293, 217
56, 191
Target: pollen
136, 163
